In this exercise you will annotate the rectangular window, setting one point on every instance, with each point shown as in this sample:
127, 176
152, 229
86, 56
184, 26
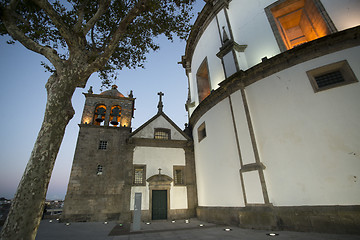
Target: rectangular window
162, 133
295, 22
103, 145
139, 175
332, 75
201, 131
179, 178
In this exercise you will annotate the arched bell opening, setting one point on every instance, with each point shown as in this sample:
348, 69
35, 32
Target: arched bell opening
115, 116
99, 115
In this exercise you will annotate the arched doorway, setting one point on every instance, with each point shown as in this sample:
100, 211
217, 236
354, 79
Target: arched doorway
159, 188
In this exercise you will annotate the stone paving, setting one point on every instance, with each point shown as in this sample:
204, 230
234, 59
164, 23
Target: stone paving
178, 230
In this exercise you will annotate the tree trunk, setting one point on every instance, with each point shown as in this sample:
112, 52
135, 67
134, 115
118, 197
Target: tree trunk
28, 204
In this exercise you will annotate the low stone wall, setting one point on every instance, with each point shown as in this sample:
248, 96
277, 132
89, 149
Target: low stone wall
327, 219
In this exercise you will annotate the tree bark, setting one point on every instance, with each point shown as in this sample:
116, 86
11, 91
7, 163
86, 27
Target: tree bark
28, 204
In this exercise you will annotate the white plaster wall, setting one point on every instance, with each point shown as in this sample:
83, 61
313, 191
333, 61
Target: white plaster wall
345, 13
223, 23
217, 161
309, 142
177, 202
242, 127
164, 158
229, 64
208, 46
253, 188
251, 27
159, 122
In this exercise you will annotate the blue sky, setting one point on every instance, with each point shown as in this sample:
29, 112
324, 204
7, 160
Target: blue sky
23, 98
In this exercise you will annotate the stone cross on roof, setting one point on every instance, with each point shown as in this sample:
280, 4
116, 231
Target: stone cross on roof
160, 104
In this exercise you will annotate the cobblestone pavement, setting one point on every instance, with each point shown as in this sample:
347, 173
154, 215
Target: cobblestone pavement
178, 230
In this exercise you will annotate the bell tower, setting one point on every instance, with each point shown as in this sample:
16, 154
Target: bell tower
100, 181
109, 108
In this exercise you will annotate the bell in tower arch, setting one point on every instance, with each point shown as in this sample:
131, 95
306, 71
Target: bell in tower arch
100, 113
115, 113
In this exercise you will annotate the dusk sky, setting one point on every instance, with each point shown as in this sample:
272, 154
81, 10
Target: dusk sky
23, 98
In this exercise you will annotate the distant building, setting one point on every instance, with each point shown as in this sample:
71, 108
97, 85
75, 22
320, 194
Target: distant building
274, 132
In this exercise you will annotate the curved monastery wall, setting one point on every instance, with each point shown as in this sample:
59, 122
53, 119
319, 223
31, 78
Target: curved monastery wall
309, 142
217, 163
251, 27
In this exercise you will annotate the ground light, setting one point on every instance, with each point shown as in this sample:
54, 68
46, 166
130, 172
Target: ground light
105, 222
186, 221
201, 225
272, 234
50, 221
147, 223
227, 229
173, 221
67, 224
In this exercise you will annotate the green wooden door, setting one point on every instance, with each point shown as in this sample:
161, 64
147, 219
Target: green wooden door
159, 204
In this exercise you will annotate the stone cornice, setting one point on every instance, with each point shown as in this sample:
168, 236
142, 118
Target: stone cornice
329, 44
107, 96
148, 142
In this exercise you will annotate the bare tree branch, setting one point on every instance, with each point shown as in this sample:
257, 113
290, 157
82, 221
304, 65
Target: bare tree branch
65, 32
103, 6
101, 60
8, 18
13, 4
81, 13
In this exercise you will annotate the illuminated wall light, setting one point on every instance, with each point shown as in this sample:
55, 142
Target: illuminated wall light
186, 221
105, 222
148, 223
173, 221
50, 221
201, 225
67, 224
227, 229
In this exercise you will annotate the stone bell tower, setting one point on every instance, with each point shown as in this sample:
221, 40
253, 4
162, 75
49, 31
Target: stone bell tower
100, 181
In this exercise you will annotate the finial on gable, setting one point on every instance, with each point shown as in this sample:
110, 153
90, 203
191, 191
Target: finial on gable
160, 104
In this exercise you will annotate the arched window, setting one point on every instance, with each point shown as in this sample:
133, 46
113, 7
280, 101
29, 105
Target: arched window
203, 80
115, 115
99, 115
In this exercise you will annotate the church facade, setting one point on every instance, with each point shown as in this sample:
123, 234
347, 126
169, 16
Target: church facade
112, 163
274, 132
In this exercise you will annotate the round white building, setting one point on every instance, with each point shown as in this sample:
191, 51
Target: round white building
274, 107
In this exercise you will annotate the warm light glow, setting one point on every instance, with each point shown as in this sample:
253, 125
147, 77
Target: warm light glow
124, 122
86, 120
299, 22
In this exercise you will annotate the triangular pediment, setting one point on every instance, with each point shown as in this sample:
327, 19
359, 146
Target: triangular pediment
162, 121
